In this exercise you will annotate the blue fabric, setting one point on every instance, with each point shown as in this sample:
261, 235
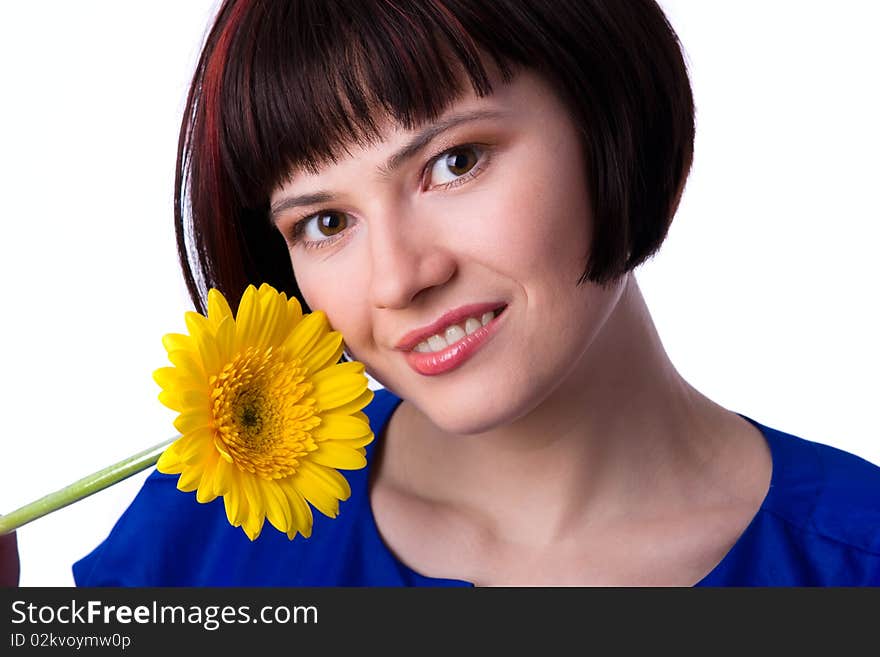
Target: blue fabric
818, 526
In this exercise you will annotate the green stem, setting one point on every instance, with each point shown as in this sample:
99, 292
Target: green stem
84, 487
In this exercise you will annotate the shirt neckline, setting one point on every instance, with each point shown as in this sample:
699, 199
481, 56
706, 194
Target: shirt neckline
706, 580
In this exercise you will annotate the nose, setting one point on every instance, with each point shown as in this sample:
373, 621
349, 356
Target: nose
405, 262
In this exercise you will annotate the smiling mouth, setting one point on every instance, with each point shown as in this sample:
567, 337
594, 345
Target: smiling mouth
456, 332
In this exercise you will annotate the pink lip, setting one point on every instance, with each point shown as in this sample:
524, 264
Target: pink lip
430, 363
409, 341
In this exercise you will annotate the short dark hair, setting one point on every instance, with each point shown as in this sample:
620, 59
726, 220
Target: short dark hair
289, 84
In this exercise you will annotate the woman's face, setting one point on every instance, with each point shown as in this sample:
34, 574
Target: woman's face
411, 244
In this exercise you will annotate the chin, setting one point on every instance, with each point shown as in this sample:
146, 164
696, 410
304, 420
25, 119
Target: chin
474, 405
472, 414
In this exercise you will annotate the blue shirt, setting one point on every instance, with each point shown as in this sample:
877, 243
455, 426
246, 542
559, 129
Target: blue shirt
819, 525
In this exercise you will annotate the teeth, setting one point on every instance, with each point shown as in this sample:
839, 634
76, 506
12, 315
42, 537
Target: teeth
453, 334
437, 343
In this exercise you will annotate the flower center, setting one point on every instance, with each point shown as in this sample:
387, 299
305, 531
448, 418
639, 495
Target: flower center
262, 414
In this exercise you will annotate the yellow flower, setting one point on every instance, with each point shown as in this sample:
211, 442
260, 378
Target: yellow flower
267, 415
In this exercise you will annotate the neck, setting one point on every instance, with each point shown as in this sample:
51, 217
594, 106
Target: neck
622, 423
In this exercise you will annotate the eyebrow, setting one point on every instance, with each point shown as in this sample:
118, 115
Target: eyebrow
407, 152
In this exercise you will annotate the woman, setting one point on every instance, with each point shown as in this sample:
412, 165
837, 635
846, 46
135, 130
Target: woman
466, 188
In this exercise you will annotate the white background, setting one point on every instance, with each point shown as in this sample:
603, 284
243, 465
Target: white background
764, 294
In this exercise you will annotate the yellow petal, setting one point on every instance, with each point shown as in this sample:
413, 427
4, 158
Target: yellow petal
271, 307
252, 522
350, 367
194, 400
355, 405
338, 455
171, 400
180, 392
306, 334
333, 481
293, 312
358, 443
277, 507
266, 291
253, 525
340, 427
249, 484
189, 363
197, 323
246, 319
331, 393
194, 443
226, 340
192, 420
218, 307
190, 477
221, 449
203, 335
166, 377
236, 503
315, 492
325, 352
205, 492
169, 463
177, 342
288, 317
224, 477
302, 513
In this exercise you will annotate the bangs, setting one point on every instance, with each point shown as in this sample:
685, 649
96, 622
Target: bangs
304, 81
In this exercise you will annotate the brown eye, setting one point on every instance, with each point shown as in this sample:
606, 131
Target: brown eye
461, 161
453, 164
331, 223
320, 229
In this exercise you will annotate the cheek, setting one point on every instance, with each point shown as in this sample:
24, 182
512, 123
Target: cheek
541, 222
339, 291
564, 202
